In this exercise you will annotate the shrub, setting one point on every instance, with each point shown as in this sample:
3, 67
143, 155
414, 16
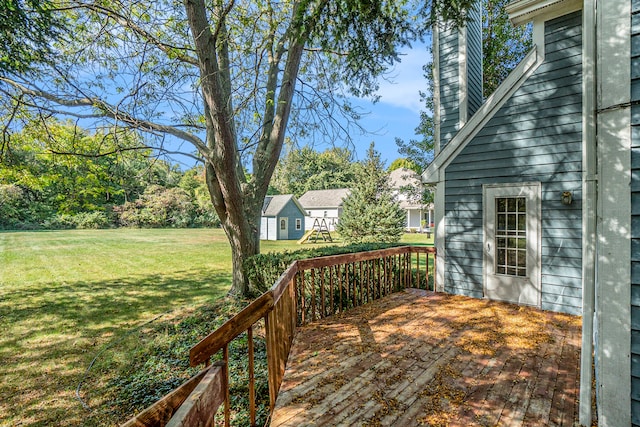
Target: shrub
264, 269
91, 220
158, 207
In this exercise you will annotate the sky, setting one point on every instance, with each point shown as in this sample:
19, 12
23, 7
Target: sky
397, 113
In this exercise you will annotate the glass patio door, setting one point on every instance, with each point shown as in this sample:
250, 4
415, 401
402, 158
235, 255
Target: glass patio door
511, 264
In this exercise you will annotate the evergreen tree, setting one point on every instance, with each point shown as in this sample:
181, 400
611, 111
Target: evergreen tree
371, 213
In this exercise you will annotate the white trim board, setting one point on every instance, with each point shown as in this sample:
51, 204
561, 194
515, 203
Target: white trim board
523, 11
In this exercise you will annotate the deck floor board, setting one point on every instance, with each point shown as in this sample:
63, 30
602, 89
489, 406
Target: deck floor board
418, 358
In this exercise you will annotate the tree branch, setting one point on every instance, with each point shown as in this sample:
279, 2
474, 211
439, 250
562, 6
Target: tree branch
106, 110
172, 51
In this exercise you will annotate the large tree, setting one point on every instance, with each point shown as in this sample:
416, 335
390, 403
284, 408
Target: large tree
304, 169
371, 213
27, 28
225, 77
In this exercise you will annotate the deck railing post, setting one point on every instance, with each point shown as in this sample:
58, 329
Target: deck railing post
252, 381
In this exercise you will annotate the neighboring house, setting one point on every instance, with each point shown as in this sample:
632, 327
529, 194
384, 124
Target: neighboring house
282, 218
408, 189
323, 205
538, 187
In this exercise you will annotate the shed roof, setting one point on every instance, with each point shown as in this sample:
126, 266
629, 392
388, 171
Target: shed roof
324, 198
273, 205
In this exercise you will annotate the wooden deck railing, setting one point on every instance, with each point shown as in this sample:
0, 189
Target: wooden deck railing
308, 290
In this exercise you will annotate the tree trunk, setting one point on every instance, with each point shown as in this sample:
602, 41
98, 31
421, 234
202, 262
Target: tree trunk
243, 246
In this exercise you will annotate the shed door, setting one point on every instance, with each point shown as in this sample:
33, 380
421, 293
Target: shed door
512, 243
284, 228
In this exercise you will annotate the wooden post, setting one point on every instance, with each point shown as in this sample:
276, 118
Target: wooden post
252, 382
322, 294
313, 294
331, 290
418, 268
227, 398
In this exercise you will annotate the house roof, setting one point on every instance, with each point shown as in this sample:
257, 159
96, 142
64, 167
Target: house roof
403, 177
324, 198
273, 205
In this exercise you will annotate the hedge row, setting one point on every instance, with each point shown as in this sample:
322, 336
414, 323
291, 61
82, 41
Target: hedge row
264, 269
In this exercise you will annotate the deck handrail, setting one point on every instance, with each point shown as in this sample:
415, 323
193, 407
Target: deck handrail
308, 290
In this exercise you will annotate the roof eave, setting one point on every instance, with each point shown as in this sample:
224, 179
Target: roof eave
523, 11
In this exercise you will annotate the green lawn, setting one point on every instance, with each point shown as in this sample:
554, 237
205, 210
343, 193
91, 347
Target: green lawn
69, 296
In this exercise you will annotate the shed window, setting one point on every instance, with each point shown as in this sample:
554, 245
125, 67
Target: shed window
283, 224
298, 224
511, 236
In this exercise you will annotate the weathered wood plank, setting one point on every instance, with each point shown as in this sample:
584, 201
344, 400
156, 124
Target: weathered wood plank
202, 403
161, 412
233, 327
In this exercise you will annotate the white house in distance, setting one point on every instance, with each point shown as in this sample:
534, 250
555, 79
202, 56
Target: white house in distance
323, 204
408, 188
282, 218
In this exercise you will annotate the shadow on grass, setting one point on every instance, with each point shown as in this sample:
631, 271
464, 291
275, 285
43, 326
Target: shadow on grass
55, 331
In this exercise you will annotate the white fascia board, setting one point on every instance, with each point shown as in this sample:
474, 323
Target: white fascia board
523, 11
488, 109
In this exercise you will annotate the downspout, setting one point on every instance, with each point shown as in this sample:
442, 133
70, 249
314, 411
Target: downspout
589, 206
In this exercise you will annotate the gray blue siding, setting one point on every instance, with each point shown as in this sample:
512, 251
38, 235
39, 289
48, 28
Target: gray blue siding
535, 136
292, 212
474, 60
449, 85
270, 225
635, 212
450, 78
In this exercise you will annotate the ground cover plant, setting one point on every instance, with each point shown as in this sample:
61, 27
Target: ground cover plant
132, 302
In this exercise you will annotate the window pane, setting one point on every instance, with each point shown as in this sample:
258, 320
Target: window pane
510, 236
522, 205
502, 222
501, 258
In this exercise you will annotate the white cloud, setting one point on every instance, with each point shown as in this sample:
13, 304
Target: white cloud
400, 88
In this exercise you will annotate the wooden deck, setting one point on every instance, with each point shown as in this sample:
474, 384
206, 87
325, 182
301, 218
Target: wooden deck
418, 358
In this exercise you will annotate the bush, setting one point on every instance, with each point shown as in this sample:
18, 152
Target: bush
91, 220
264, 269
83, 220
162, 363
158, 207
17, 209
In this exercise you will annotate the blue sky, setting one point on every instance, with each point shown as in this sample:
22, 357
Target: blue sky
398, 112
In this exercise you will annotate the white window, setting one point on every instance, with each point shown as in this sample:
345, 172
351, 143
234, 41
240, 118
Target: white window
298, 224
283, 224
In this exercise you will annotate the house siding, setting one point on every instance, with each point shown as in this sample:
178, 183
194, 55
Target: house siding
292, 212
474, 60
449, 84
536, 136
635, 212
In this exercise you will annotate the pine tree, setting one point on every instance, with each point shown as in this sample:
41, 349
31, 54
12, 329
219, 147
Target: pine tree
371, 212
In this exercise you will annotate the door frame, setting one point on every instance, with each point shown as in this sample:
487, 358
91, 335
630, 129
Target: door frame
532, 192
283, 233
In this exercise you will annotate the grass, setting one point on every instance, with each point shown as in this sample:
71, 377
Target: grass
69, 296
